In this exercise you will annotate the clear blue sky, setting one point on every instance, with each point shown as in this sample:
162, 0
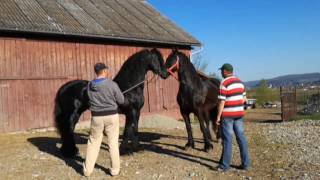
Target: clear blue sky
261, 38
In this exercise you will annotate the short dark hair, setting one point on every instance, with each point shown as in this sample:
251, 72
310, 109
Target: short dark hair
99, 67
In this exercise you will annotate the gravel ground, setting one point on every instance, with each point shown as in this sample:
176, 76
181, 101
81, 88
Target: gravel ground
277, 150
161, 122
303, 146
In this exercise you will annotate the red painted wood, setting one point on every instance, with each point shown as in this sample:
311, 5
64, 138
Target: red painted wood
31, 71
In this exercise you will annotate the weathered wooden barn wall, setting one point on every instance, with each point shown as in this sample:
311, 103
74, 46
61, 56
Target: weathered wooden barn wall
31, 71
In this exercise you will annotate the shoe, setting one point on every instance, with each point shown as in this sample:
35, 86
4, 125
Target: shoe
84, 170
220, 169
244, 168
86, 174
112, 173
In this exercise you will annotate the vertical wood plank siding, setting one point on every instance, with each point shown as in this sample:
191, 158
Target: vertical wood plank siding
31, 71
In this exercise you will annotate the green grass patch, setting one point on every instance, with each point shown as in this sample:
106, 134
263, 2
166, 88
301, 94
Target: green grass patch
315, 116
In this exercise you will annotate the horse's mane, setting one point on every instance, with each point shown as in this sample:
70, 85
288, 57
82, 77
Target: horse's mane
157, 53
192, 73
136, 60
132, 68
191, 70
133, 59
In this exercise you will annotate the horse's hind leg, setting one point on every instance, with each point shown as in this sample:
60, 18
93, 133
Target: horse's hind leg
68, 147
215, 127
190, 143
207, 121
205, 131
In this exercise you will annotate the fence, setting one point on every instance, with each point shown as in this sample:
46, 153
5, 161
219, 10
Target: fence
299, 102
308, 101
288, 103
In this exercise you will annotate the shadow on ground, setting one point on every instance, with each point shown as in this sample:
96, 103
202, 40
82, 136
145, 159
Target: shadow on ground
271, 121
50, 145
150, 141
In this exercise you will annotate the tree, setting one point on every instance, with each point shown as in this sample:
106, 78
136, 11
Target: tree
200, 65
264, 94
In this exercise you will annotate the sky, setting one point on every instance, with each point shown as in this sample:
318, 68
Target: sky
261, 38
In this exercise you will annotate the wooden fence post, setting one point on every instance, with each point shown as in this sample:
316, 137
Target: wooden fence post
282, 103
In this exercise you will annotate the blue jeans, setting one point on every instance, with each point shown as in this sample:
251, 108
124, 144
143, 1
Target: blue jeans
228, 126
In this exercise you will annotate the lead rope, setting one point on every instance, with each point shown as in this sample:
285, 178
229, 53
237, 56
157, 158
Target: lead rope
133, 87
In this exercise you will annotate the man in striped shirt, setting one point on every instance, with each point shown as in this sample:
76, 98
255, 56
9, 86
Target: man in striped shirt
230, 116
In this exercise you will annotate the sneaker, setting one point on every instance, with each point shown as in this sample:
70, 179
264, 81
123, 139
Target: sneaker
113, 173
220, 169
86, 174
244, 168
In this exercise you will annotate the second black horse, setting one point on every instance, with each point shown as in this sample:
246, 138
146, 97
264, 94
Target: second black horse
196, 95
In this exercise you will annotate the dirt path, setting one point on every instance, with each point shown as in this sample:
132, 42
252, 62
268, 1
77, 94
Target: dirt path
36, 156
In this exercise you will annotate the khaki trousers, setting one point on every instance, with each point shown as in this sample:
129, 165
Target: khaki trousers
110, 126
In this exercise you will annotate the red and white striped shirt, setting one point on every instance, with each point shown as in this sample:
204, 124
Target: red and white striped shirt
232, 91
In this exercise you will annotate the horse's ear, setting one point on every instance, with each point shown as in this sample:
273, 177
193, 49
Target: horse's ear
175, 50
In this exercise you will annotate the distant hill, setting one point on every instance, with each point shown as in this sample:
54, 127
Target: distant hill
309, 79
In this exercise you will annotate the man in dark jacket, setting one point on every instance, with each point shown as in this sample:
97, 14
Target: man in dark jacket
104, 98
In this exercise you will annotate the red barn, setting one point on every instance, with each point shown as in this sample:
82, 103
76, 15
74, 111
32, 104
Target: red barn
45, 43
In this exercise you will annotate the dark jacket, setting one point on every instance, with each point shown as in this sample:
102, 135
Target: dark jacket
104, 97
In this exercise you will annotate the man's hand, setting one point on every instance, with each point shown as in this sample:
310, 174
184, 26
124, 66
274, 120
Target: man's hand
220, 109
218, 121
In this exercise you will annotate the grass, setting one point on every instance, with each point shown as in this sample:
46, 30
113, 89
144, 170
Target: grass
315, 116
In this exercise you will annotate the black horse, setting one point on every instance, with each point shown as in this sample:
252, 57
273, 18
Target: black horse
196, 95
72, 100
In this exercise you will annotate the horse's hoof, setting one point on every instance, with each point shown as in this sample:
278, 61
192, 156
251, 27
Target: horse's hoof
218, 140
70, 153
124, 145
124, 152
189, 146
208, 148
137, 147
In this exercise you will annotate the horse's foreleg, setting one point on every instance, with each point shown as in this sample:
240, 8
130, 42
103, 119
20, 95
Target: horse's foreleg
190, 143
129, 132
135, 140
124, 144
205, 131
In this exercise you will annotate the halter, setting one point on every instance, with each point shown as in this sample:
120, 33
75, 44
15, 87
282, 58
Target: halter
175, 65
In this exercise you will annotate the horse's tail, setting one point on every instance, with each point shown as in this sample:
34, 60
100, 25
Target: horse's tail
66, 114
64, 127
58, 113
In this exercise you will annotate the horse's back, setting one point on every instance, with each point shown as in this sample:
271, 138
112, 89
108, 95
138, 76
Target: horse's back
215, 83
70, 92
73, 85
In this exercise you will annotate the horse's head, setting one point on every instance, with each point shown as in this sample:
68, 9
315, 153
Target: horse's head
173, 62
156, 64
